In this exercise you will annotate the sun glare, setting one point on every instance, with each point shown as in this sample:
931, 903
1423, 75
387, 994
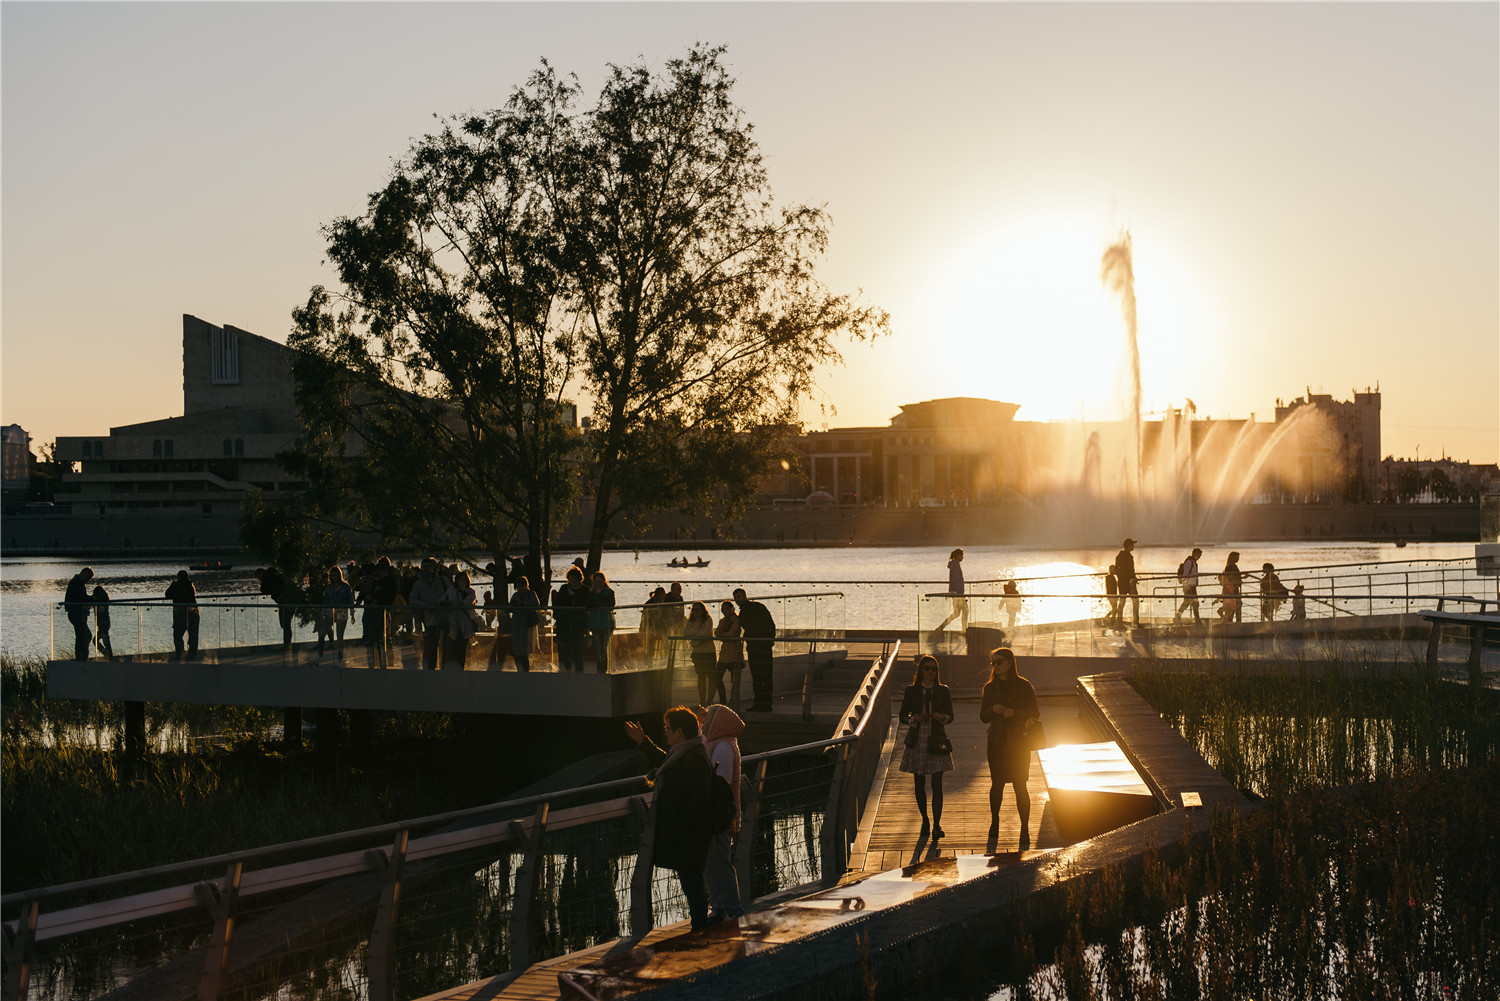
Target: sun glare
1020, 314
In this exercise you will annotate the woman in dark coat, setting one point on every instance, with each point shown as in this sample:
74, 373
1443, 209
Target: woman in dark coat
684, 824
1008, 705
926, 704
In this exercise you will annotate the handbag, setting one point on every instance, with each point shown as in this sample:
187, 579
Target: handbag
937, 741
1035, 738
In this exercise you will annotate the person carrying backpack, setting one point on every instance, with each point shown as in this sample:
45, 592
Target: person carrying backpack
1187, 574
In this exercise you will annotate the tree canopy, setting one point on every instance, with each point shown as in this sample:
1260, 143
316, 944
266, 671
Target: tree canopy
628, 257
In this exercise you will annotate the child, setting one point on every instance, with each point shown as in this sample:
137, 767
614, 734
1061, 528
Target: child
101, 622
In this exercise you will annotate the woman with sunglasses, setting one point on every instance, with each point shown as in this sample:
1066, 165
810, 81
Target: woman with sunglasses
927, 705
1008, 705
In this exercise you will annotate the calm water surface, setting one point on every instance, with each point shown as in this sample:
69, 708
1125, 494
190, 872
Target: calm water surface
30, 586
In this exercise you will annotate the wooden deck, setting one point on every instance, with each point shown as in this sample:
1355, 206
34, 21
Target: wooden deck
888, 836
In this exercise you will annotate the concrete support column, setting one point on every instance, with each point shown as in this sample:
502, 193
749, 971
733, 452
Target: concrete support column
135, 730
291, 728
328, 732
359, 729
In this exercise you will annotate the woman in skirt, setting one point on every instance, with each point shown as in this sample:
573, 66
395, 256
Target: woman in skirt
927, 705
1008, 704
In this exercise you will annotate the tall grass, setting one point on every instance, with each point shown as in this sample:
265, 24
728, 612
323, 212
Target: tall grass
76, 807
1308, 729
1388, 891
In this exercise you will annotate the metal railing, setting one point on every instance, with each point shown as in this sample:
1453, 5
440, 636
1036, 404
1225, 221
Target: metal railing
408, 908
221, 628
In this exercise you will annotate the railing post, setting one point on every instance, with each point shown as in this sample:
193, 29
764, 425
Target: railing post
641, 917
382, 962
834, 848
221, 899
751, 787
521, 946
20, 945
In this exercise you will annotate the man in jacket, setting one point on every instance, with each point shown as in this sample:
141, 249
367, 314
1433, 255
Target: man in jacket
760, 636
681, 806
184, 598
427, 596
1125, 571
77, 601
570, 620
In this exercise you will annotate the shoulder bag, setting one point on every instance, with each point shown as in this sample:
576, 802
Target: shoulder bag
937, 741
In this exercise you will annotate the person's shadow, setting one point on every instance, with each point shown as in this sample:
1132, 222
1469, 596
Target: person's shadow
927, 847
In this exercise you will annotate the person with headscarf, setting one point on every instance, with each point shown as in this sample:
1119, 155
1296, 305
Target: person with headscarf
721, 730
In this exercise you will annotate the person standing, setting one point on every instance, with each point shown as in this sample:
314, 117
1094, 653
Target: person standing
570, 620
428, 593
1187, 573
601, 619
1125, 573
681, 806
1299, 604
1011, 601
1231, 582
184, 598
699, 630
101, 622
273, 584
523, 618
927, 707
1008, 704
463, 621
380, 600
759, 629
721, 730
731, 652
956, 588
78, 605
338, 604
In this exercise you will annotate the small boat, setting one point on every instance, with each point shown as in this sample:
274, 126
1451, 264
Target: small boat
684, 564
1400, 543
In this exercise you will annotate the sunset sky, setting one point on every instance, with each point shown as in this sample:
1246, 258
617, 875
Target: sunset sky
1313, 191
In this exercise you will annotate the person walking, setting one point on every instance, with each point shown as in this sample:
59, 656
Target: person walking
380, 598
601, 619
101, 622
721, 730
1299, 604
759, 629
1187, 574
463, 621
1125, 573
1008, 704
1011, 601
731, 653
78, 605
273, 584
681, 805
523, 618
699, 630
1272, 592
184, 598
956, 588
1112, 618
926, 708
1231, 582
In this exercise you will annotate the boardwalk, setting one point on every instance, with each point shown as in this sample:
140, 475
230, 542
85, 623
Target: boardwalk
888, 836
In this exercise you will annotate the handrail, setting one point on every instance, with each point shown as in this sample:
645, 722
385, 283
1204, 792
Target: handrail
165, 602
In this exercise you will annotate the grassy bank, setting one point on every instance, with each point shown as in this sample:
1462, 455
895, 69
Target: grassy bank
217, 780
1270, 735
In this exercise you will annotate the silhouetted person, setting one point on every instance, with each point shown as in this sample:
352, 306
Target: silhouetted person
523, 618
759, 629
427, 595
570, 620
927, 707
1008, 704
684, 826
101, 622
1187, 573
601, 619
1272, 592
1112, 618
274, 584
1299, 604
1011, 601
956, 588
184, 598
77, 603
1125, 573
1231, 582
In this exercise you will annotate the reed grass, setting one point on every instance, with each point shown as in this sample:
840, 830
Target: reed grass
1316, 726
76, 807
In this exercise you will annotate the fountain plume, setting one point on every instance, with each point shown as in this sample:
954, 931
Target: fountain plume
1117, 272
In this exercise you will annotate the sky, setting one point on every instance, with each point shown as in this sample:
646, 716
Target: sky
1312, 192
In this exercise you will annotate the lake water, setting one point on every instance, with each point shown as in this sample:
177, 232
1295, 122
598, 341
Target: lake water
882, 586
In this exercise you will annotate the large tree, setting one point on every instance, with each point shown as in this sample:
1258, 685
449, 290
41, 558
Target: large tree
701, 321
431, 383
628, 254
